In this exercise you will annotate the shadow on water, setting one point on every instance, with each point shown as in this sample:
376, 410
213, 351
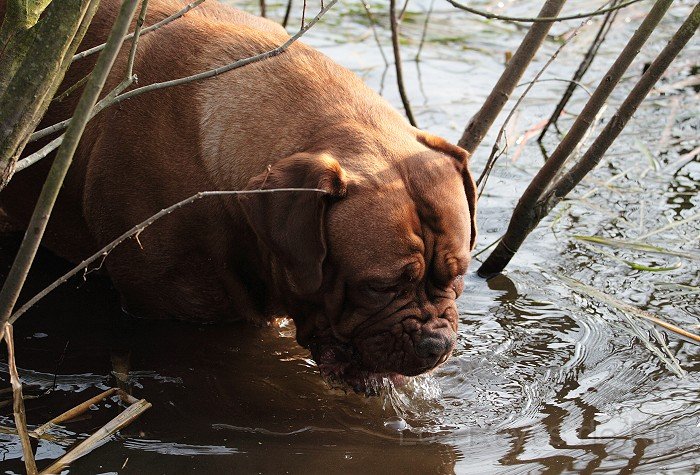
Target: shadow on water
231, 397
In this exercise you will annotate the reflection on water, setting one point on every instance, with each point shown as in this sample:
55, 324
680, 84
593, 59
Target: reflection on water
542, 379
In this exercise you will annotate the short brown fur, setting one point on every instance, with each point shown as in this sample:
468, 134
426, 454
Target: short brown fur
369, 270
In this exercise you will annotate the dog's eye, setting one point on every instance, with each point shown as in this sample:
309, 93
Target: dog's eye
404, 292
381, 289
388, 290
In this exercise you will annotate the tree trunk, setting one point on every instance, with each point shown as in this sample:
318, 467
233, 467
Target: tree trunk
42, 212
33, 59
528, 215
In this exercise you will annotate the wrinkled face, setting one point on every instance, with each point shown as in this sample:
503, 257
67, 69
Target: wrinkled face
397, 250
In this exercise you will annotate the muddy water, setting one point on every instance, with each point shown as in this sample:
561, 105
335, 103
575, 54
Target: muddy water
544, 379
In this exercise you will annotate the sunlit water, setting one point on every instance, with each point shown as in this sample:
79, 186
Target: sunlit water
543, 379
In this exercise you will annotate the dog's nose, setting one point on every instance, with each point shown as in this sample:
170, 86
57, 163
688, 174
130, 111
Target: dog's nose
432, 347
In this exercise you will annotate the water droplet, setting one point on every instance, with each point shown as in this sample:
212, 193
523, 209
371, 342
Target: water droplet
396, 423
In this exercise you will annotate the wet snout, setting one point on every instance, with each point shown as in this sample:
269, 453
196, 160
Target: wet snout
408, 343
435, 342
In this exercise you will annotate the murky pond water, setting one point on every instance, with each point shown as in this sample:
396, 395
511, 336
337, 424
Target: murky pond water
544, 379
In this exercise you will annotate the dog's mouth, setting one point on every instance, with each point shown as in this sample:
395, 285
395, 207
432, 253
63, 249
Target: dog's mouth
339, 367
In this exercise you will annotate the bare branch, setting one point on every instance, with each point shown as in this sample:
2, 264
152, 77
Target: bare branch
424, 34
106, 102
287, 12
155, 26
81, 82
476, 130
135, 42
397, 62
582, 68
495, 151
373, 24
539, 19
570, 81
536, 202
39, 154
136, 230
32, 65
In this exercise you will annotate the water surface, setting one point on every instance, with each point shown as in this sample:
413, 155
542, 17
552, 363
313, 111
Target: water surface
544, 379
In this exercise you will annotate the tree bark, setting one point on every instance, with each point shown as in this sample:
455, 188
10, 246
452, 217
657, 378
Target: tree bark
33, 61
37, 225
529, 213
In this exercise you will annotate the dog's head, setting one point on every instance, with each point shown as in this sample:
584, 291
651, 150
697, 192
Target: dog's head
371, 267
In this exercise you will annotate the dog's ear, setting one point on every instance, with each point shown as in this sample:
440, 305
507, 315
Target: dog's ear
461, 157
291, 223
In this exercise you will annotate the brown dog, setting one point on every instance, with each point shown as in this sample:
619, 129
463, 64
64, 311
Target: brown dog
369, 270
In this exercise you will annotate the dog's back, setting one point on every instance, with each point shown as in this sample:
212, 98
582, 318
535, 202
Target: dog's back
186, 46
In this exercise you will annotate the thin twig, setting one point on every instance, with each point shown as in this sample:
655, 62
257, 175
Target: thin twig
303, 14
134, 43
18, 402
496, 152
542, 195
424, 34
287, 12
403, 10
39, 154
128, 80
582, 68
539, 19
373, 24
138, 229
71, 89
570, 81
482, 121
397, 62
155, 26
106, 102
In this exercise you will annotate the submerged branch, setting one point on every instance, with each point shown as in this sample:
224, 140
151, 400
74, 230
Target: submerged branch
73, 412
125, 418
18, 401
